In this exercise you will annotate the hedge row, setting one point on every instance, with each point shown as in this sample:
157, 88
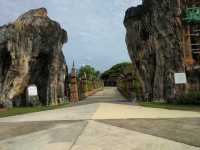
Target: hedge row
192, 98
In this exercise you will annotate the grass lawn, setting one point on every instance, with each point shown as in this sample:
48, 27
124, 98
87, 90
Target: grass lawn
170, 106
24, 110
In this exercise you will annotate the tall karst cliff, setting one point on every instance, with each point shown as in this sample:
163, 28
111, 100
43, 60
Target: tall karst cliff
157, 44
31, 53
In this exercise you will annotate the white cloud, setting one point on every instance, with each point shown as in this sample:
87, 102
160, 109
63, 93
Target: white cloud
95, 27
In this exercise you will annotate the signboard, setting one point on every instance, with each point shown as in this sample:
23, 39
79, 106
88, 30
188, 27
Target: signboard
180, 78
32, 90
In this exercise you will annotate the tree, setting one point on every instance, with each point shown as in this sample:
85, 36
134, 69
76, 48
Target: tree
111, 75
90, 72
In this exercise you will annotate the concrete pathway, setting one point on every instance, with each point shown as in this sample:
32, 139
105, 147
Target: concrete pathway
105, 121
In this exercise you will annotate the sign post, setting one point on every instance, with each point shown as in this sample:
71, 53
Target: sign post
32, 90
180, 78
180, 83
32, 96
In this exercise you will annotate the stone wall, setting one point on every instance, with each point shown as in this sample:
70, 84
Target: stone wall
89, 88
129, 85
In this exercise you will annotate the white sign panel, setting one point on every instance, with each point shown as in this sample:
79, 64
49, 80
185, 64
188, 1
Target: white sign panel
180, 78
32, 90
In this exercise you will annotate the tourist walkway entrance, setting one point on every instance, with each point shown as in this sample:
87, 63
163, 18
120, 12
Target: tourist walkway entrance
105, 121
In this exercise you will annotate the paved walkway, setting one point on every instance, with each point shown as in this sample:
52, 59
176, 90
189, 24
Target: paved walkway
105, 121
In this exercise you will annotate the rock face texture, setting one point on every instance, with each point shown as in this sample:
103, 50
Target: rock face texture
154, 41
31, 53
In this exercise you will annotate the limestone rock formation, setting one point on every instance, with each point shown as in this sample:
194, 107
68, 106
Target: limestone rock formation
31, 53
154, 41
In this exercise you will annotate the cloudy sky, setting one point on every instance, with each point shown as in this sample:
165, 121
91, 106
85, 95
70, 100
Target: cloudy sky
95, 27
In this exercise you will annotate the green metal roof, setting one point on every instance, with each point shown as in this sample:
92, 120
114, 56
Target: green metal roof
192, 15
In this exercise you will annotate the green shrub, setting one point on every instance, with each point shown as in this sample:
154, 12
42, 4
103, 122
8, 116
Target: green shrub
189, 98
